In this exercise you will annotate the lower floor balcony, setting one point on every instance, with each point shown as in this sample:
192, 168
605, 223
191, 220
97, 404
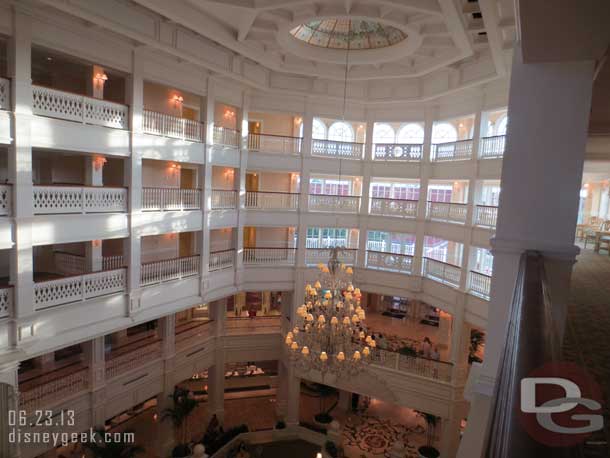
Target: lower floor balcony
267, 200
263, 256
161, 271
393, 262
442, 272
236, 326
78, 199
132, 355
447, 212
394, 207
479, 284
485, 216
315, 256
334, 203
223, 199
223, 259
193, 332
170, 199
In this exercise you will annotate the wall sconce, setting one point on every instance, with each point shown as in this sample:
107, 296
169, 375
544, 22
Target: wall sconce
298, 120
96, 243
98, 162
174, 168
178, 100
100, 78
229, 114
460, 125
586, 185
361, 126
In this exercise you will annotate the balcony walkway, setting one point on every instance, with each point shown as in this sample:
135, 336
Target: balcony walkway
586, 341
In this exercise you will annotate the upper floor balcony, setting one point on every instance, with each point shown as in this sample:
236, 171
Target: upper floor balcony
257, 312
70, 89
275, 133
269, 246
169, 257
338, 139
174, 113
193, 326
493, 134
76, 272
320, 240
398, 141
225, 131
447, 201
442, 261
390, 251
272, 191
452, 140
394, 197
77, 183
224, 195
487, 197
335, 194
167, 186
481, 270
276, 144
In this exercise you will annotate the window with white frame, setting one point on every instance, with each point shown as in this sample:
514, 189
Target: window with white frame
326, 237
444, 132
399, 191
439, 193
490, 195
411, 133
435, 248
341, 131
483, 261
377, 240
383, 133
329, 186
501, 125
318, 130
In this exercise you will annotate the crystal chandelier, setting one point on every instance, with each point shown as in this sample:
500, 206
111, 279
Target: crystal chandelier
329, 335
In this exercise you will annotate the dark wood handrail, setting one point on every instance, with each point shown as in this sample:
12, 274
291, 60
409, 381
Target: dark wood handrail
451, 143
448, 203
191, 325
493, 136
442, 262
480, 273
173, 116
275, 135
487, 206
392, 198
389, 252
257, 317
71, 254
168, 187
72, 185
131, 346
334, 195
170, 259
335, 141
399, 144
227, 128
276, 192
225, 190
268, 248
330, 248
222, 251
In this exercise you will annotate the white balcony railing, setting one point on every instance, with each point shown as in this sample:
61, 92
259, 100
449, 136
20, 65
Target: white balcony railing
113, 262
442, 272
194, 333
257, 325
226, 137
169, 269
277, 144
5, 94
224, 259
262, 256
172, 126
397, 152
79, 199
131, 357
446, 211
74, 107
78, 288
452, 151
424, 367
267, 200
6, 301
224, 199
5, 199
337, 149
53, 390
170, 199
389, 261
69, 264
334, 203
394, 207
485, 215
492, 147
315, 256
479, 284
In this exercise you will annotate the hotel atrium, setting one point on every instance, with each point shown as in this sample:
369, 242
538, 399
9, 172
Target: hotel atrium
309, 228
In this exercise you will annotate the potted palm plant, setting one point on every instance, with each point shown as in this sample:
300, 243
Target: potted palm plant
113, 448
184, 405
428, 450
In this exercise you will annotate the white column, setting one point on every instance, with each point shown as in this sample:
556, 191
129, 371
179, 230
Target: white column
243, 168
93, 255
9, 401
94, 171
206, 185
95, 356
289, 392
216, 373
133, 179
20, 167
425, 173
368, 141
549, 107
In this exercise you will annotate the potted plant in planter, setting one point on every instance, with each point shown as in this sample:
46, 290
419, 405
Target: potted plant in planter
112, 449
428, 450
476, 340
184, 405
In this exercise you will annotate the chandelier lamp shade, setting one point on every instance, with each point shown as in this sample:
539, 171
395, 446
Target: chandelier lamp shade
329, 335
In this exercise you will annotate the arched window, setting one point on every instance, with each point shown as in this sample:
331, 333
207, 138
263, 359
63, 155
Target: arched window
411, 133
443, 132
318, 130
341, 131
383, 133
501, 125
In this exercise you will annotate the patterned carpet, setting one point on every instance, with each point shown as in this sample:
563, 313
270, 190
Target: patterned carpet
374, 436
587, 340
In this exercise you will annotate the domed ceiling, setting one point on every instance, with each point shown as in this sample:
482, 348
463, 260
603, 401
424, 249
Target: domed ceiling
335, 33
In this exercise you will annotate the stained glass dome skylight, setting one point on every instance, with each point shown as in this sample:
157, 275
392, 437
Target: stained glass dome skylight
336, 33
